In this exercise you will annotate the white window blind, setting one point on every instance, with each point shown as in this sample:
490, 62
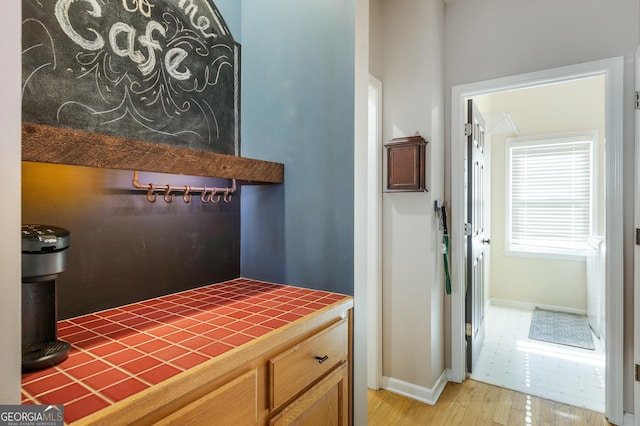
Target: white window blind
550, 192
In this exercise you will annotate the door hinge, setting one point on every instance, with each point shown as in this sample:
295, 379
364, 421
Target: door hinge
469, 329
637, 373
638, 236
637, 100
467, 229
468, 129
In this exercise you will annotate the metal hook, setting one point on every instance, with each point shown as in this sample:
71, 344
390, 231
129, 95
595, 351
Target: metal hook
151, 195
207, 194
168, 196
212, 196
186, 197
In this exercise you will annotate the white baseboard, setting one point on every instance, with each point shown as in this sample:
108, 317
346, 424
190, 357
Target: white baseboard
628, 419
450, 378
419, 393
531, 306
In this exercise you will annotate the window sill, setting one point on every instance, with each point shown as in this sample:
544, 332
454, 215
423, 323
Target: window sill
556, 254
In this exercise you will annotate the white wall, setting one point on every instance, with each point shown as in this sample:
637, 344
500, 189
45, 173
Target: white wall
10, 224
376, 38
498, 38
407, 56
550, 109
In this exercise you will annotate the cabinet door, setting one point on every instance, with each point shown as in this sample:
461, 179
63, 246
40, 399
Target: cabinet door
232, 404
325, 404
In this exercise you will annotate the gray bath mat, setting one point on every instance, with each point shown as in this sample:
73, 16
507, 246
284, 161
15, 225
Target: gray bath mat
562, 328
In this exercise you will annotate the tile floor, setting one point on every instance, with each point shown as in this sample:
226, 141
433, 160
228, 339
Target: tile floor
511, 360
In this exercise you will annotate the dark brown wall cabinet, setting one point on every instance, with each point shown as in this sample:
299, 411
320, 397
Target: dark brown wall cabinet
406, 164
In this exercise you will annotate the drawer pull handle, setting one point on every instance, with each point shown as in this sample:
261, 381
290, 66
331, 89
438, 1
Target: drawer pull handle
322, 359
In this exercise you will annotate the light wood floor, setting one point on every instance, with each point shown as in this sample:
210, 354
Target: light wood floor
475, 403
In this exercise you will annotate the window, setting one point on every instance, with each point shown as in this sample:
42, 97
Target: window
550, 193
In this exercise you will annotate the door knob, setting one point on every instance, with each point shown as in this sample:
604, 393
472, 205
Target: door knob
487, 241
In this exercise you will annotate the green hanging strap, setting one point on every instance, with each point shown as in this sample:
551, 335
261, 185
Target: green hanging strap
445, 238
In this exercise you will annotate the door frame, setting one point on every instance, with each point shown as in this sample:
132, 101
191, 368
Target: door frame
636, 250
612, 70
374, 238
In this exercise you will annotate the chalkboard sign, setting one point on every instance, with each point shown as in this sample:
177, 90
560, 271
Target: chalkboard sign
165, 71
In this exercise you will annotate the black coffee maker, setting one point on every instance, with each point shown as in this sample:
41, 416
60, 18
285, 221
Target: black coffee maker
44, 257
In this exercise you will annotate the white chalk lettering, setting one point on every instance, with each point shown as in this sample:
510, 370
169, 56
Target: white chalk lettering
200, 22
172, 61
148, 41
125, 42
142, 6
62, 15
129, 50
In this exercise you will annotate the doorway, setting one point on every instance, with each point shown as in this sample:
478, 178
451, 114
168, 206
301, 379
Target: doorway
611, 72
563, 123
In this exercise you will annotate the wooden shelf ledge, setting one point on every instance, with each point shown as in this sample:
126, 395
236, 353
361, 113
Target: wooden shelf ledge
48, 144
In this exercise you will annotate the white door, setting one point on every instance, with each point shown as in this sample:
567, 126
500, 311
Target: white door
475, 276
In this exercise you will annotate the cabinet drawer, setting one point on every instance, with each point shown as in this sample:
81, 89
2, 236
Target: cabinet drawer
295, 369
235, 403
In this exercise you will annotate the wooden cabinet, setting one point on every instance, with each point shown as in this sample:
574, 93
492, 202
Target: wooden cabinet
406, 164
325, 404
297, 375
315, 373
232, 404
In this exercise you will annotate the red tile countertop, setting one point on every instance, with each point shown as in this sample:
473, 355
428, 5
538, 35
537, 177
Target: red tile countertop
119, 352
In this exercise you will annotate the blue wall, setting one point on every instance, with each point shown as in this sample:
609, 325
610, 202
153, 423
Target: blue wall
298, 109
231, 11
